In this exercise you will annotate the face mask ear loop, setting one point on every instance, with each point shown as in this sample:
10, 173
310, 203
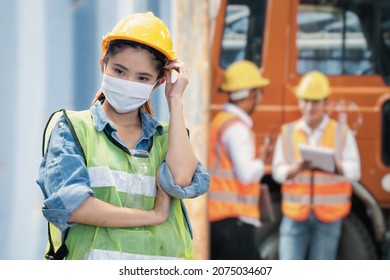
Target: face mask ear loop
101, 88
155, 83
104, 69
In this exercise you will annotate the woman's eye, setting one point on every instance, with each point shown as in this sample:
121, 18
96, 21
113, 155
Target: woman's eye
119, 71
143, 79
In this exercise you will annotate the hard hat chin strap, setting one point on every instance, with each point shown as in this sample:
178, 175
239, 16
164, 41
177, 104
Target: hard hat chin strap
239, 94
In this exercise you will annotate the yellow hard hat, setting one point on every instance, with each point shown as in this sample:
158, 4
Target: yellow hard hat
144, 28
314, 86
243, 75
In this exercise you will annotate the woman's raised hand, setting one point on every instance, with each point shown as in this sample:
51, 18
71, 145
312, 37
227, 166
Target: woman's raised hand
175, 89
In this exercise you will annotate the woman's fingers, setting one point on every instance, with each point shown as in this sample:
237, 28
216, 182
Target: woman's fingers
162, 203
177, 87
179, 67
175, 65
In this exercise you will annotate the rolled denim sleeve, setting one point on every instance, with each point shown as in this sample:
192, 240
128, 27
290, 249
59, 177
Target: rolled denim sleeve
199, 185
63, 177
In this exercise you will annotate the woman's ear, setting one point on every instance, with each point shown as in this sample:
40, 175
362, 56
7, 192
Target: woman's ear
101, 65
159, 82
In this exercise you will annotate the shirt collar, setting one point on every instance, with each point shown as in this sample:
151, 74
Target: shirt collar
149, 123
302, 125
234, 109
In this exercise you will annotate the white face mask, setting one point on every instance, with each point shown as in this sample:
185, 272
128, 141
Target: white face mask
125, 96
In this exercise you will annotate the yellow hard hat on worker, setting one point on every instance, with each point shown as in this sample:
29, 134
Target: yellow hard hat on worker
144, 28
314, 85
243, 75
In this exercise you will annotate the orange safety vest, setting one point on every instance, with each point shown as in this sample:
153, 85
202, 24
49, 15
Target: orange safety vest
327, 194
227, 196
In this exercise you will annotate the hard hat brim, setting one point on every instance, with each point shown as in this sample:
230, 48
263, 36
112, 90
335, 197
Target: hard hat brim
256, 84
311, 97
106, 41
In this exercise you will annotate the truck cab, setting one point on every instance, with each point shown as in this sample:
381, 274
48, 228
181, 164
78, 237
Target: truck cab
349, 41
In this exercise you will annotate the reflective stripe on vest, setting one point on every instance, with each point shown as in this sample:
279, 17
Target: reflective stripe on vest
123, 182
114, 180
330, 199
112, 255
301, 199
331, 193
223, 173
318, 199
320, 178
227, 196
231, 197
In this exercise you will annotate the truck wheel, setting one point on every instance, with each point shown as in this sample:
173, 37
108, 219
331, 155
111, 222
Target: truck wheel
268, 235
356, 242
269, 242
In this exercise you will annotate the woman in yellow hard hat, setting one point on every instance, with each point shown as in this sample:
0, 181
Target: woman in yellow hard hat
235, 166
314, 199
113, 176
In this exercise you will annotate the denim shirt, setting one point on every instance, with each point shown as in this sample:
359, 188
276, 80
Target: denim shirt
63, 176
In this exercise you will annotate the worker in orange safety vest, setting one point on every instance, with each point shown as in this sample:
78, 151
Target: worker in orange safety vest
236, 166
314, 201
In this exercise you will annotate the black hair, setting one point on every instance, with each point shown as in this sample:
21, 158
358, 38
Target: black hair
159, 59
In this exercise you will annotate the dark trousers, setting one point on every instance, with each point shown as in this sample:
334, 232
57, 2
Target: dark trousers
232, 239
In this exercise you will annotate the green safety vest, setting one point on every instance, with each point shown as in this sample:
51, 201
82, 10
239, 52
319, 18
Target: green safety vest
125, 181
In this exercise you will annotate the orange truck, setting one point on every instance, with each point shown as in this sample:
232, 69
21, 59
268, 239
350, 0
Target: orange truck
349, 41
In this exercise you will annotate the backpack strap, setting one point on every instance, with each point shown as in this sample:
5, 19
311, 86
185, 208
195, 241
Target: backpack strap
53, 119
50, 125
62, 251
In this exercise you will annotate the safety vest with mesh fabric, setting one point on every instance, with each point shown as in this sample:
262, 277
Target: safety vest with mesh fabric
227, 196
114, 180
326, 194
